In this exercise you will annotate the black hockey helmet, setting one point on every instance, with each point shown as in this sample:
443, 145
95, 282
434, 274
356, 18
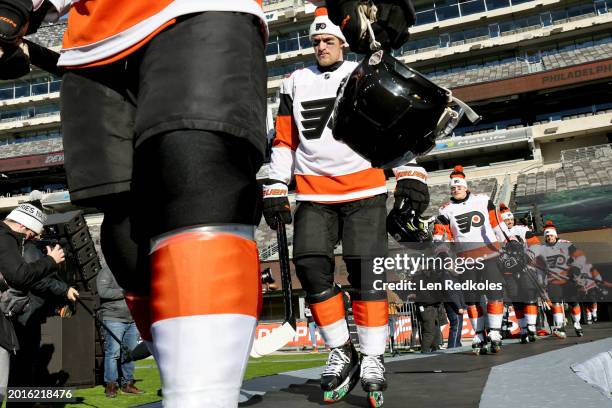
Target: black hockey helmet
389, 113
405, 226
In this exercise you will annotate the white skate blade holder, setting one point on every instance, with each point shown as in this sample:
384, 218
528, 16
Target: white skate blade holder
286, 332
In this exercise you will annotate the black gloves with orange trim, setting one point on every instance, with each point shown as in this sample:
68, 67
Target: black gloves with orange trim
390, 24
276, 204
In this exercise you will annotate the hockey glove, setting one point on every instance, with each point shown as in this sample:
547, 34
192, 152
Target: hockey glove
411, 194
390, 21
14, 62
14, 16
276, 204
514, 247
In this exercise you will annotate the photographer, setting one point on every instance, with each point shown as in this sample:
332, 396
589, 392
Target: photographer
47, 297
23, 223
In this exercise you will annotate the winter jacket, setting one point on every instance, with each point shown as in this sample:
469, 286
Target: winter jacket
112, 298
19, 275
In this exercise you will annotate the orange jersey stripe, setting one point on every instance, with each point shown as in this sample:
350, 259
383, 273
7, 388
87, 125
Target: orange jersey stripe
287, 134
92, 21
493, 218
329, 311
371, 313
205, 273
129, 50
337, 185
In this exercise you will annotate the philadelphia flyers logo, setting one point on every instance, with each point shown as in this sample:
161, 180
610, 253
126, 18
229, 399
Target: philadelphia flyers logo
466, 221
555, 260
320, 26
316, 114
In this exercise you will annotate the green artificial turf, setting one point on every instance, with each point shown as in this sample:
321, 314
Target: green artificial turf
147, 379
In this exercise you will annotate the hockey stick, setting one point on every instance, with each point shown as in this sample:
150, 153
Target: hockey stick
127, 354
284, 334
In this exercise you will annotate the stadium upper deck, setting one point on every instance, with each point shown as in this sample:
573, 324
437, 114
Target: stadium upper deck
538, 71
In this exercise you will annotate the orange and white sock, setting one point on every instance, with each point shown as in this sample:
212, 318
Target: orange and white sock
140, 309
495, 314
205, 300
576, 313
531, 316
593, 310
476, 315
558, 315
329, 317
371, 319
520, 317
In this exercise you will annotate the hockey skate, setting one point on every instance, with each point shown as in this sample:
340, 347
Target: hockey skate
341, 373
524, 336
558, 333
578, 329
373, 379
531, 334
479, 344
496, 340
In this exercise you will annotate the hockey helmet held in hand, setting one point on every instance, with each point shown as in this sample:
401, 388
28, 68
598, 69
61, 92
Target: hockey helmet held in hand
405, 226
390, 113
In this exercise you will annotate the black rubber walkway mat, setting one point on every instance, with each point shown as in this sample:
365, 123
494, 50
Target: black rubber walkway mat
447, 380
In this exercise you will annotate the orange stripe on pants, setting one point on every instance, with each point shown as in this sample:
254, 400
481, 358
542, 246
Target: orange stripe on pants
199, 273
557, 308
371, 313
329, 311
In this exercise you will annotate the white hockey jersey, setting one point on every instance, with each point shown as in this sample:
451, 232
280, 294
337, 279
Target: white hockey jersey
556, 260
473, 225
325, 169
525, 234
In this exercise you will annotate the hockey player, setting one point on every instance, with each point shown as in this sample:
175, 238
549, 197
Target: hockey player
593, 285
471, 222
155, 137
340, 197
519, 286
561, 262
